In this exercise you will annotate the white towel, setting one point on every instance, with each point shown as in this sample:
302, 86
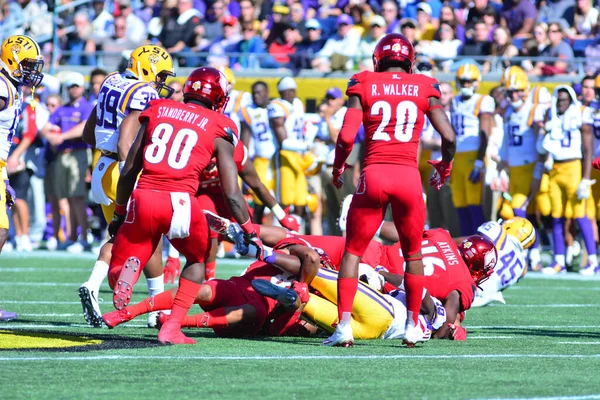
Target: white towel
182, 216
98, 194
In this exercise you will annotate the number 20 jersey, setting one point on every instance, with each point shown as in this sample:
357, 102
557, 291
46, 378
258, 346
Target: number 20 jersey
394, 107
118, 95
179, 144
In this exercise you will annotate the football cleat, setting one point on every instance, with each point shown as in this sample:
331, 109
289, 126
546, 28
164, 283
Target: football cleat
152, 319
91, 308
171, 334
342, 337
555, 269
416, 333
343, 219
124, 286
6, 316
285, 297
117, 317
217, 223
161, 319
589, 270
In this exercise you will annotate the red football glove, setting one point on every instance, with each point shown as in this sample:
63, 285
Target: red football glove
596, 163
442, 172
337, 180
458, 332
171, 270
290, 223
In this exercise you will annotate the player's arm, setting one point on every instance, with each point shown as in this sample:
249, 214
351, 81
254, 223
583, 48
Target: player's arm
278, 125
485, 130
439, 120
75, 132
228, 174
587, 144
452, 306
131, 169
245, 133
345, 141
394, 279
129, 127
301, 261
89, 129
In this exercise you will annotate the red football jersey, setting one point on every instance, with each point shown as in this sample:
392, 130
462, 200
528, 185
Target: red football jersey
209, 179
445, 269
394, 107
180, 144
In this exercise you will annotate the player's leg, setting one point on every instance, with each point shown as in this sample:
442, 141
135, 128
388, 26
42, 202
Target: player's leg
263, 170
458, 182
408, 212
558, 203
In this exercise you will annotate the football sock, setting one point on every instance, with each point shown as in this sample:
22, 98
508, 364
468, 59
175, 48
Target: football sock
161, 301
464, 218
347, 288
212, 319
587, 231
186, 294
477, 218
98, 275
155, 285
558, 237
210, 270
414, 294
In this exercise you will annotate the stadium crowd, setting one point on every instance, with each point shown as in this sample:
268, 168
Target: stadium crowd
321, 35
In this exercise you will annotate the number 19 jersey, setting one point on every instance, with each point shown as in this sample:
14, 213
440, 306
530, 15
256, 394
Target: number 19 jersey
394, 107
118, 95
179, 144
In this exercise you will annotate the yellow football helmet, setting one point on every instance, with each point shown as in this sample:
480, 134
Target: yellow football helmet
515, 82
312, 202
505, 210
228, 74
508, 72
468, 73
521, 229
152, 64
22, 59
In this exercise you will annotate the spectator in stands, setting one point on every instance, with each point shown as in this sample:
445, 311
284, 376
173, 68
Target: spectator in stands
136, 29
102, 22
115, 45
97, 76
11, 19
592, 58
518, 16
179, 33
249, 13
540, 34
285, 46
478, 45
297, 16
447, 15
149, 10
253, 48
557, 10
412, 10
489, 17
588, 90
367, 45
389, 12
72, 155
444, 49
476, 12
226, 43
461, 10
586, 20
340, 50
502, 49
213, 26
529, 49
38, 21
557, 48
408, 27
274, 27
79, 42
424, 22
309, 47
177, 91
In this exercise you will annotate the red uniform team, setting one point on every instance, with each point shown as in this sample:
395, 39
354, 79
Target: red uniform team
178, 142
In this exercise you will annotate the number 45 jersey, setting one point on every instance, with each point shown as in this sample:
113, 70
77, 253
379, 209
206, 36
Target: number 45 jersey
179, 144
394, 107
118, 95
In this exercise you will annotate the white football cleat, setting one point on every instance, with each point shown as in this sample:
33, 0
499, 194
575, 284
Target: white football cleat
91, 308
589, 270
343, 219
341, 337
416, 333
152, 319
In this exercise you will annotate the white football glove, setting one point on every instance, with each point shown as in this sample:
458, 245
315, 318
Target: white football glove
440, 317
373, 279
584, 188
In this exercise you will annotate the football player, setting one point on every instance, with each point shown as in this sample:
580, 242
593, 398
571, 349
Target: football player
171, 155
472, 116
111, 128
237, 99
567, 140
286, 117
257, 136
21, 62
392, 104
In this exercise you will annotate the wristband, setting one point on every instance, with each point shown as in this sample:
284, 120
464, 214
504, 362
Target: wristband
248, 227
278, 212
270, 259
120, 209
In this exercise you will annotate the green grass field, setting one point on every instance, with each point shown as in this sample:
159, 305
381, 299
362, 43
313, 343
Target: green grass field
543, 344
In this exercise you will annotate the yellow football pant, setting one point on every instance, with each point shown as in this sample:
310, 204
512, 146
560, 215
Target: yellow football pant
465, 193
564, 180
264, 170
292, 185
3, 214
593, 202
372, 314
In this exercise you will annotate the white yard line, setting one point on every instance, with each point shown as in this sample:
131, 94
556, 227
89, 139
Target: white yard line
59, 327
543, 305
582, 397
565, 327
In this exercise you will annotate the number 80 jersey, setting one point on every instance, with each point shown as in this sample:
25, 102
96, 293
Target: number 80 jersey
118, 95
394, 107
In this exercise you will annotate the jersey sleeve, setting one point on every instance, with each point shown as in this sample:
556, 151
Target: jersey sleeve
487, 105
240, 155
244, 116
4, 92
228, 131
148, 112
276, 109
138, 97
355, 86
586, 116
433, 89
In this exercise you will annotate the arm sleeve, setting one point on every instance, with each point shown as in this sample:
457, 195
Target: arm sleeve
487, 105
345, 141
355, 87
275, 110
228, 131
141, 97
587, 116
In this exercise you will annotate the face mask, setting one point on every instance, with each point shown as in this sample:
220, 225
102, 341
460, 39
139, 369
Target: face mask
467, 92
516, 104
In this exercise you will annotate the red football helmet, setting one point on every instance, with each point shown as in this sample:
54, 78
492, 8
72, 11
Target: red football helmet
208, 85
393, 50
480, 255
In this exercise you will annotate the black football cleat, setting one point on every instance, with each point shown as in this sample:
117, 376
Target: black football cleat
285, 297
